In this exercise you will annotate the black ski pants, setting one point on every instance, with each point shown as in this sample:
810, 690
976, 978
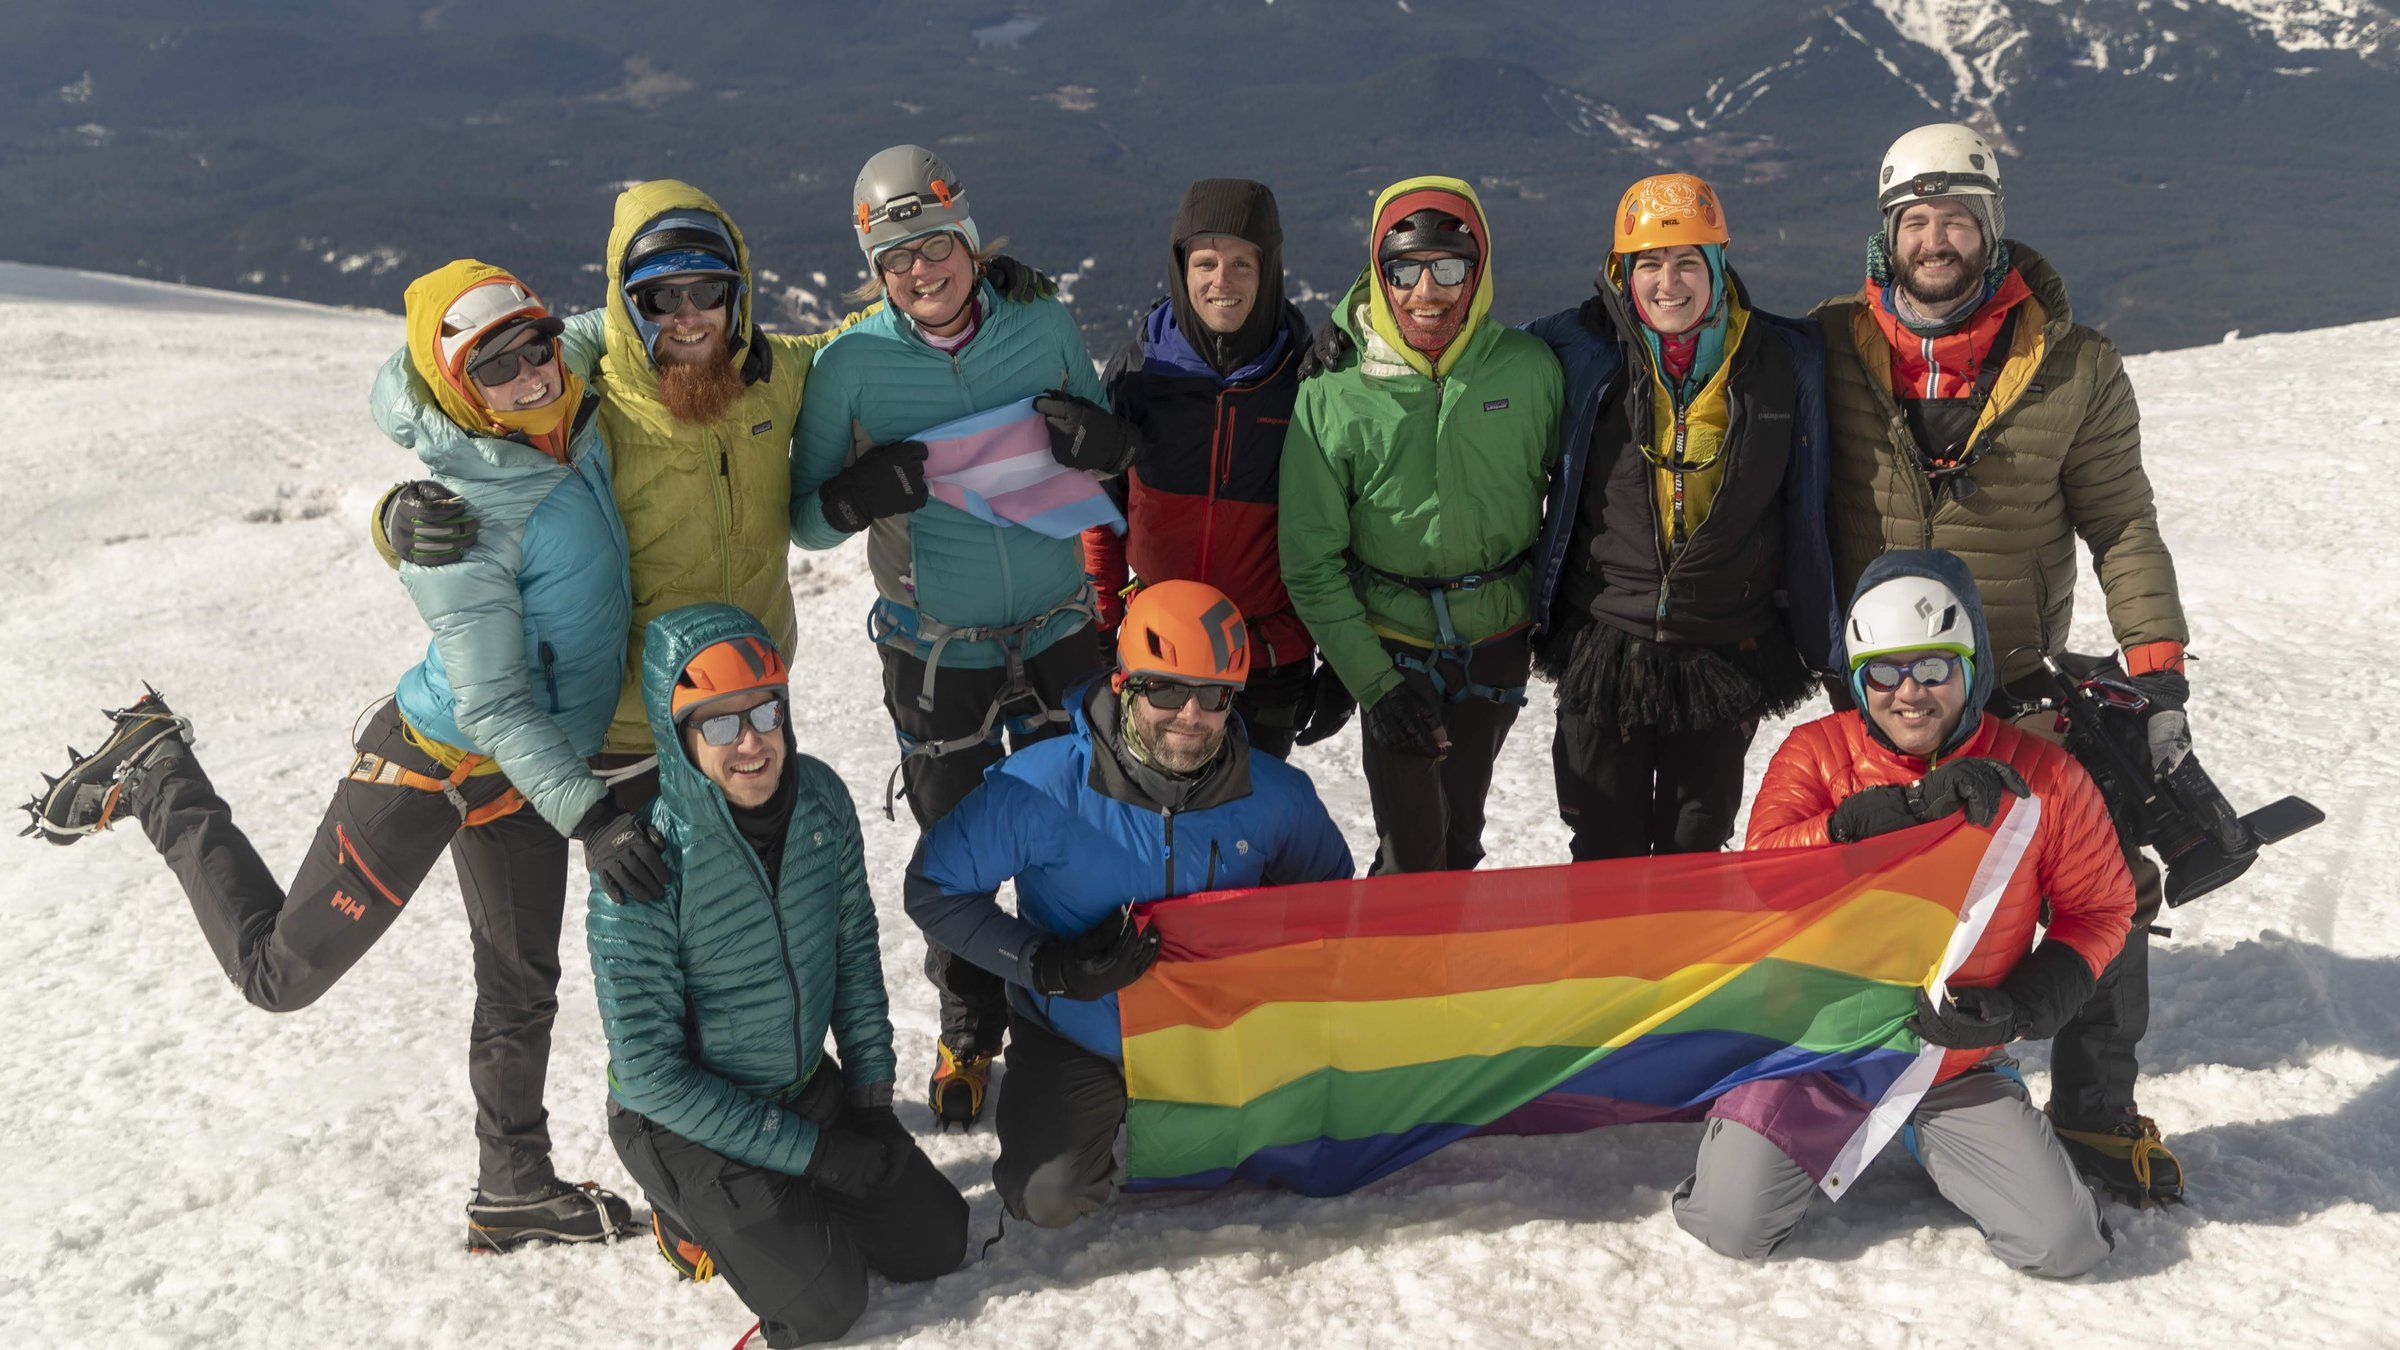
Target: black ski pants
974, 1001
284, 947
1631, 792
1060, 1106
1429, 812
797, 1254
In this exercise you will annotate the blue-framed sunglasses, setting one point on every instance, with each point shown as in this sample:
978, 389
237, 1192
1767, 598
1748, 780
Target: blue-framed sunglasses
1929, 671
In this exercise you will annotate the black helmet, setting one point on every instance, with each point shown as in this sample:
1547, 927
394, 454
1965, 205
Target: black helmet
1429, 228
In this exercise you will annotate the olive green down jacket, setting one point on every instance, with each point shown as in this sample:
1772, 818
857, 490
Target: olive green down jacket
2060, 447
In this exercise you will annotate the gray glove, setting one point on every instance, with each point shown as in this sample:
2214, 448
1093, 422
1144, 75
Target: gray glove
428, 524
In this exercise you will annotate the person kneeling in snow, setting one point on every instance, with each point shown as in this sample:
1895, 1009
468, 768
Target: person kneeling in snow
1155, 792
1918, 748
762, 1158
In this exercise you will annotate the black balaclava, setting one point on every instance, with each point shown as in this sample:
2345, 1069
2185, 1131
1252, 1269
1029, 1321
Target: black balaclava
1245, 210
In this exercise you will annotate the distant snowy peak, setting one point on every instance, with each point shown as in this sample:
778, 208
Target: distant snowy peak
1990, 47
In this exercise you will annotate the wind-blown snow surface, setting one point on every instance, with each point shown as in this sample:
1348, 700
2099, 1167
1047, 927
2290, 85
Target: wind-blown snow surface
187, 477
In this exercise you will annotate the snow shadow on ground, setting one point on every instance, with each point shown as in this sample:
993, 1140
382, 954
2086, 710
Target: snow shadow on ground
2263, 1004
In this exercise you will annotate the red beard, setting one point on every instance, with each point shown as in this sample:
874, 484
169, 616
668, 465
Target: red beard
699, 389
1431, 338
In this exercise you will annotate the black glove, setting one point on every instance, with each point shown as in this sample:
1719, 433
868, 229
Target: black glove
879, 1123
1327, 707
1328, 350
1403, 722
1974, 785
1110, 955
622, 853
2166, 689
427, 524
1869, 812
2049, 986
1972, 1019
888, 480
854, 1164
1084, 435
1018, 283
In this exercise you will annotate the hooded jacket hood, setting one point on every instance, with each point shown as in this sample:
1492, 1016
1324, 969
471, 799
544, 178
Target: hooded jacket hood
668, 645
428, 299
629, 335
1398, 200
1246, 211
1945, 567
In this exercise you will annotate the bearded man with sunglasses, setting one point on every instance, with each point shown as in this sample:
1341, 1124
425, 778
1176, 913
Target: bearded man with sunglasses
764, 1159
1154, 792
1968, 411
1920, 748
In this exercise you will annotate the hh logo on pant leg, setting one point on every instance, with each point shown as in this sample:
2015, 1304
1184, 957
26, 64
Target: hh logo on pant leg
348, 906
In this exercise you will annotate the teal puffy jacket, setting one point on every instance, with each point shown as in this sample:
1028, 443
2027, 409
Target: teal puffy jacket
879, 382
529, 629
716, 999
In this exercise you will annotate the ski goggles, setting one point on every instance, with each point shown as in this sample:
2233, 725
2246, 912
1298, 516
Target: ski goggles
1401, 273
1931, 672
666, 297
726, 728
501, 369
1169, 695
899, 259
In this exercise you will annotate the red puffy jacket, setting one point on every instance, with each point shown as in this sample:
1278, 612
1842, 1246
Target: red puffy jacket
2076, 867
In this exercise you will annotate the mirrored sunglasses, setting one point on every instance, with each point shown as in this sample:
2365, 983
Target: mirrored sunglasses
1929, 671
726, 728
1402, 273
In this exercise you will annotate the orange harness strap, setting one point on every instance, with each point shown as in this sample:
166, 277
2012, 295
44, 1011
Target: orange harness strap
369, 768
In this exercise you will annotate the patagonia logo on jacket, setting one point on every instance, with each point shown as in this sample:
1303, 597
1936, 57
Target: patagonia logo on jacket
763, 428
1494, 405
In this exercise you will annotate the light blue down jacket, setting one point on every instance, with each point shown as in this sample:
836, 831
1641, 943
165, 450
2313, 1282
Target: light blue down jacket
880, 382
529, 629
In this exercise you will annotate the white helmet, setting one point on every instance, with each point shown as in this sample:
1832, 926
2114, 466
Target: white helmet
1908, 614
1946, 159
906, 191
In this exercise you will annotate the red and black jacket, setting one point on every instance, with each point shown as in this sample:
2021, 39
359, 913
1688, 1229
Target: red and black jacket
1200, 501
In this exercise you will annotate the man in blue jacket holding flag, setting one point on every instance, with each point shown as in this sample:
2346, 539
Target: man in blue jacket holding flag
1155, 792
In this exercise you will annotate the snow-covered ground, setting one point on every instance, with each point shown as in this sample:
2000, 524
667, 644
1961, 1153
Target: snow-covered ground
187, 478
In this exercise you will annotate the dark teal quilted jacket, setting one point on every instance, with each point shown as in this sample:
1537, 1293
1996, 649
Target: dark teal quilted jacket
717, 999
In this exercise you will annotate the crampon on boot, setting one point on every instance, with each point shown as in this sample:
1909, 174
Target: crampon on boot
90, 795
957, 1090
2127, 1160
563, 1213
681, 1250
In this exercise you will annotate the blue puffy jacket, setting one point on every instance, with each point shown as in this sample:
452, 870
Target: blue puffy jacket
1081, 836
717, 999
880, 382
529, 629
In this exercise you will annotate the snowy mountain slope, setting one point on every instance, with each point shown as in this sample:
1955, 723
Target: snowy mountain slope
190, 472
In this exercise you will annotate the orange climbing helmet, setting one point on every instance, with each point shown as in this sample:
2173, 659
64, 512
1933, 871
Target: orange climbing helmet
1668, 209
734, 666
1187, 631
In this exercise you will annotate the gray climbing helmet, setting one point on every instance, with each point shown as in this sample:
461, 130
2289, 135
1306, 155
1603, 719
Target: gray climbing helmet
905, 192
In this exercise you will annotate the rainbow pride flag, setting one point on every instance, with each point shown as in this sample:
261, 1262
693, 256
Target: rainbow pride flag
1319, 1037
996, 466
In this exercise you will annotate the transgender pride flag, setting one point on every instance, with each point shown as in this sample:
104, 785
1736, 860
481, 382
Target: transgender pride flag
996, 466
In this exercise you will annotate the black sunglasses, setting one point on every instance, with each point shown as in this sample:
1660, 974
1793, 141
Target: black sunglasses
501, 368
726, 728
1402, 273
899, 258
1168, 695
1929, 671
663, 299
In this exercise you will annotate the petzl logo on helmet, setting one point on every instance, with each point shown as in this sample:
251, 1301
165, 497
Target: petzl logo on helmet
1225, 633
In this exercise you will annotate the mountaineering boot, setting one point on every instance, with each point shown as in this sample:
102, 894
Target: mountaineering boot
2128, 1160
93, 792
956, 1093
562, 1213
681, 1250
